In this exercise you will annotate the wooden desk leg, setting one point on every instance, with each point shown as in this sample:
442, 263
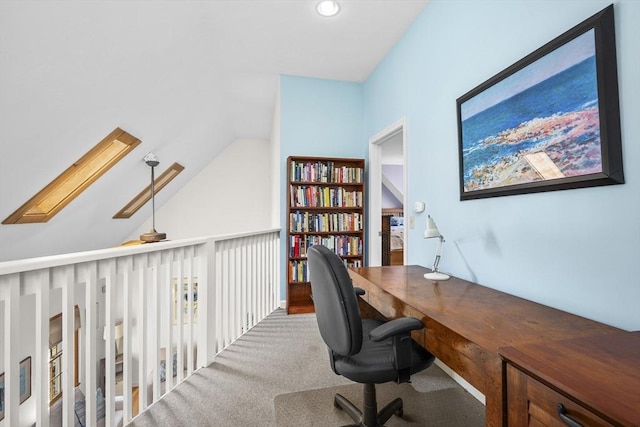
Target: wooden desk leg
495, 415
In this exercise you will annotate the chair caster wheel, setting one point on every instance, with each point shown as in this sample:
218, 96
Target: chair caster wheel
400, 412
335, 404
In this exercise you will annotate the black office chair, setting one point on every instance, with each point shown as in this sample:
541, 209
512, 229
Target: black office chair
365, 351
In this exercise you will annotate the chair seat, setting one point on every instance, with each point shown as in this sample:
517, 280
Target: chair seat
375, 362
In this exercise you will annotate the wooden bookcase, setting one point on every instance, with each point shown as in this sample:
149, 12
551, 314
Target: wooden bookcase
325, 206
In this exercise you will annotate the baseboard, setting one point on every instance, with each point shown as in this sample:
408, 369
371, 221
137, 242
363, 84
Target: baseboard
463, 383
283, 304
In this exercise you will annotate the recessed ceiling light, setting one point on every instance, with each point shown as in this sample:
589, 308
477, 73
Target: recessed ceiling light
328, 8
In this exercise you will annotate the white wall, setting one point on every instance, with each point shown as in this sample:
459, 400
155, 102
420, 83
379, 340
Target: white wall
230, 195
275, 163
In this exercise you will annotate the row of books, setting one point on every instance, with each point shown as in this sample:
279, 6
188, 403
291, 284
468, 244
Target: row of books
341, 245
325, 172
325, 222
299, 271
325, 197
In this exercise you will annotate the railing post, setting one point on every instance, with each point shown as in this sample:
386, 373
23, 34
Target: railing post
110, 354
126, 340
141, 269
41, 360
179, 316
154, 338
11, 355
190, 318
167, 291
68, 293
91, 337
206, 304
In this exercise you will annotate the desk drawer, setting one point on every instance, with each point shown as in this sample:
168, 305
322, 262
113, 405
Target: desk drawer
532, 403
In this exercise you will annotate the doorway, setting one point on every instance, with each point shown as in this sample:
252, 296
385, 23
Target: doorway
387, 194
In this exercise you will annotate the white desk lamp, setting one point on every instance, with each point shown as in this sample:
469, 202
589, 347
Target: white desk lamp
430, 232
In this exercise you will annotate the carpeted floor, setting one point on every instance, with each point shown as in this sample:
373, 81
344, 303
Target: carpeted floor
439, 408
279, 356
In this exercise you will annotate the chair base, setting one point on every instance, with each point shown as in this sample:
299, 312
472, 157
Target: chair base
370, 417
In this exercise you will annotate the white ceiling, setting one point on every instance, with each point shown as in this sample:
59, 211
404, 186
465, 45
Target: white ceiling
186, 77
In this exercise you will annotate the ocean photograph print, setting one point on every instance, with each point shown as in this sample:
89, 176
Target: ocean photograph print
549, 122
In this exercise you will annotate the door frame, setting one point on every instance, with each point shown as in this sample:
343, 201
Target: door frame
375, 183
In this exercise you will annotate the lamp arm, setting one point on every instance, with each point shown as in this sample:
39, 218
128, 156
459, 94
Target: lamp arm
436, 261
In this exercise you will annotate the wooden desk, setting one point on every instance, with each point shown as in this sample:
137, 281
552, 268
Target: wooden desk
466, 324
596, 379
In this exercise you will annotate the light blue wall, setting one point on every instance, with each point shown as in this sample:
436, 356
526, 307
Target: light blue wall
317, 118
577, 250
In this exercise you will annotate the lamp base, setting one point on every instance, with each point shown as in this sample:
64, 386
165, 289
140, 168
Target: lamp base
153, 236
436, 276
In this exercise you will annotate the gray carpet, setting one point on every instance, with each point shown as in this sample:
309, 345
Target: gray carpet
281, 355
449, 407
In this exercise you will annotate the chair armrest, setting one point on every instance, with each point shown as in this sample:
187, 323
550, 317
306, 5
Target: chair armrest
399, 330
400, 326
358, 291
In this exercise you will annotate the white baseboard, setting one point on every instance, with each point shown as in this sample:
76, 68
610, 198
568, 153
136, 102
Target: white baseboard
463, 383
283, 304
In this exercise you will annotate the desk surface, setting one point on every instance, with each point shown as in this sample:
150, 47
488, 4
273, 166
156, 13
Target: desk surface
466, 324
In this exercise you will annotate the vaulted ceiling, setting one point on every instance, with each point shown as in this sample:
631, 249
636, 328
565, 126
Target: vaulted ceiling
185, 77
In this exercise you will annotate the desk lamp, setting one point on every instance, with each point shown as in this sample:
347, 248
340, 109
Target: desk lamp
430, 232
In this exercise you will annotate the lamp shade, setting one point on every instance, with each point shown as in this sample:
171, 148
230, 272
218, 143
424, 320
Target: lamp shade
430, 232
432, 229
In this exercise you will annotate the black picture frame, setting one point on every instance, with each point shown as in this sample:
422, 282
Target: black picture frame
551, 121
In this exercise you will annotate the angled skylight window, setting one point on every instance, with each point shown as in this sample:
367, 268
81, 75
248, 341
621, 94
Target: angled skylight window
145, 195
73, 181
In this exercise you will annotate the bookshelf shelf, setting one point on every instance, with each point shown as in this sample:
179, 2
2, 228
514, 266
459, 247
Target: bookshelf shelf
326, 207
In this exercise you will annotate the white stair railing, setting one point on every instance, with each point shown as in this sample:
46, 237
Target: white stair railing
177, 300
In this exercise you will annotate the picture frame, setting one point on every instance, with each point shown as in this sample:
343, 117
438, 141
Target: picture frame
184, 295
25, 379
551, 121
25, 384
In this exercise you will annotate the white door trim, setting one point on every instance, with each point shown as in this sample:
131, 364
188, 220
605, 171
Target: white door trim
375, 184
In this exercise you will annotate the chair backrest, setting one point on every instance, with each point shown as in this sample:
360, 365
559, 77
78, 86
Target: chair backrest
335, 302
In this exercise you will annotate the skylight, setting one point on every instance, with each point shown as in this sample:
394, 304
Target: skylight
145, 195
73, 181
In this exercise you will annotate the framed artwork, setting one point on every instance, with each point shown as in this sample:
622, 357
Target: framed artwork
25, 384
182, 296
25, 379
551, 121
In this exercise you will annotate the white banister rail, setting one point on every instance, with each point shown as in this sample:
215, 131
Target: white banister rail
136, 320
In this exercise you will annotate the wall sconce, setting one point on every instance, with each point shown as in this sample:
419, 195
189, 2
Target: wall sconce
431, 232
